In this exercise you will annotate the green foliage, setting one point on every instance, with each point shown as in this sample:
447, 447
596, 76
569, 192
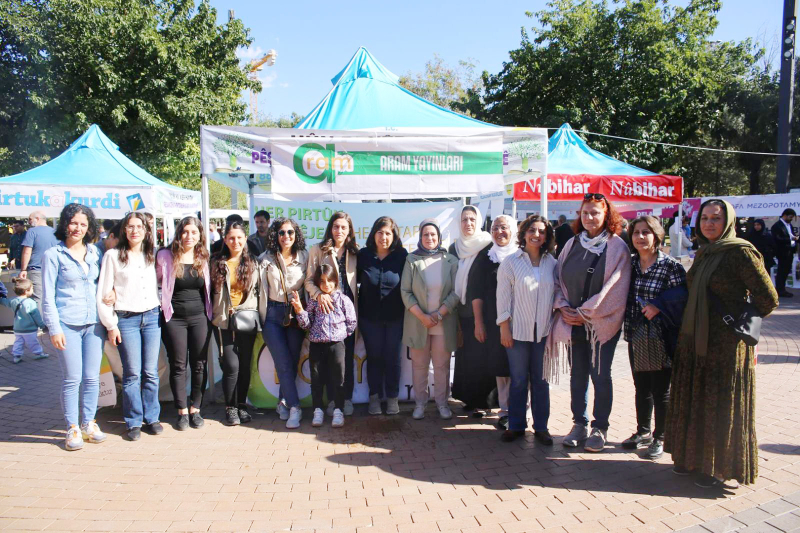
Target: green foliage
148, 73
442, 84
644, 70
267, 121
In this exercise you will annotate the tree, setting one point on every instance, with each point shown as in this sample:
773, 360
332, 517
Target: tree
441, 84
148, 73
645, 70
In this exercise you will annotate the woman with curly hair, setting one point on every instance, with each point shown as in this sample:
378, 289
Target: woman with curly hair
235, 284
283, 271
183, 275
70, 270
525, 289
338, 249
133, 321
593, 277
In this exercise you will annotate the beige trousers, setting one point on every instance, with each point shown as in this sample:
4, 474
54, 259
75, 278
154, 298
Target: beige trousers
503, 388
420, 362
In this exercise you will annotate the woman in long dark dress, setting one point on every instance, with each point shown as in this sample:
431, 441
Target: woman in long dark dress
711, 417
504, 239
472, 381
760, 237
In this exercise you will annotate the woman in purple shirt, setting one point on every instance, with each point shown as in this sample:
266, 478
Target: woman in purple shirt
182, 273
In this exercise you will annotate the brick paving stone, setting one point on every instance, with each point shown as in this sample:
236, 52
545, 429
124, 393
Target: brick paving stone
785, 522
381, 473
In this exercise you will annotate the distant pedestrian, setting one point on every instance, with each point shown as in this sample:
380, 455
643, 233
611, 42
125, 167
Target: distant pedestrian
38, 239
563, 234
213, 234
15, 244
785, 248
259, 239
760, 237
27, 319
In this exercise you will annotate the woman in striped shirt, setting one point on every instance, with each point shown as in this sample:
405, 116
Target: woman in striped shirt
525, 294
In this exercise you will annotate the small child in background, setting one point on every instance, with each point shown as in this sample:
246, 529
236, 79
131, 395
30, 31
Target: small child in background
27, 319
327, 334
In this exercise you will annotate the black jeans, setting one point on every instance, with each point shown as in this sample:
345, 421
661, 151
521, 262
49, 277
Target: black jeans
187, 335
349, 368
237, 356
327, 362
652, 393
784, 269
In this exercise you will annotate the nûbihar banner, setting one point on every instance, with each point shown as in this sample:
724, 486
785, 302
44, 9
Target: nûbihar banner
656, 189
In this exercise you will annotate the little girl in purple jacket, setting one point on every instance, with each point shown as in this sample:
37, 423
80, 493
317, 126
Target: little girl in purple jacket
327, 332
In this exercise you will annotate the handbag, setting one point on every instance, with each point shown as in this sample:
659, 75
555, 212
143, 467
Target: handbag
244, 320
289, 318
746, 326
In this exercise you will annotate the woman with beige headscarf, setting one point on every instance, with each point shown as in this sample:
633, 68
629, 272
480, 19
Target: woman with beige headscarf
710, 420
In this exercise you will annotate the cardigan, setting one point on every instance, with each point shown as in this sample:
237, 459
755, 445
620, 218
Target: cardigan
166, 280
414, 292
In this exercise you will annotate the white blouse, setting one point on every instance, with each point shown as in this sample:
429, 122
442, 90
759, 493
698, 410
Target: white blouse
135, 286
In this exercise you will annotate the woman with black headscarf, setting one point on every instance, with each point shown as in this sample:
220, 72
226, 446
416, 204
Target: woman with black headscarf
760, 237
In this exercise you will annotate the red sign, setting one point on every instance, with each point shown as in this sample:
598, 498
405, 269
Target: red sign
565, 187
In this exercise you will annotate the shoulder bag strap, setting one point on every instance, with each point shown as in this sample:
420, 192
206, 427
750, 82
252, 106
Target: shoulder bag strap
589, 275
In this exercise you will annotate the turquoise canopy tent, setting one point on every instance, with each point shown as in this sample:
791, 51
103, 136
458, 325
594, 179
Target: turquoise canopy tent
93, 172
366, 95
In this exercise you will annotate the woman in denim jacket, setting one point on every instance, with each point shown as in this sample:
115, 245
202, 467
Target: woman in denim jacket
70, 271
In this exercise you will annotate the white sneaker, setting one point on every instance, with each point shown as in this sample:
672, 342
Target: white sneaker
74, 441
295, 414
392, 406
338, 419
348, 407
419, 412
577, 434
91, 432
319, 417
331, 407
283, 410
445, 413
374, 404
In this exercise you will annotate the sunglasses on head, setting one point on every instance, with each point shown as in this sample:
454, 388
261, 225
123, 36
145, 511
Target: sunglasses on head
594, 196
288, 232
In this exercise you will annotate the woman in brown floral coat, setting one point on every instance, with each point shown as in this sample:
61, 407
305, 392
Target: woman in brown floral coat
711, 418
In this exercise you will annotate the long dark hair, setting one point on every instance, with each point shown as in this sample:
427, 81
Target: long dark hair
247, 265
382, 222
274, 245
148, 246
349, 243
200, 252
549, 233
65, 218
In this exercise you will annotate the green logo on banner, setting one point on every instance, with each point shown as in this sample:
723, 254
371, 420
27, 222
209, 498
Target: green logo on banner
315, 163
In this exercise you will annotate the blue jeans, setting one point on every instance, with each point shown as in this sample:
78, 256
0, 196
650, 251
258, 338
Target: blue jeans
80, 365
582, 369
284, 345
526, 364
382, 341
141, 342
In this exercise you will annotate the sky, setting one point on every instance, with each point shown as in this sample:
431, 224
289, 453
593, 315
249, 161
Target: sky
314, 40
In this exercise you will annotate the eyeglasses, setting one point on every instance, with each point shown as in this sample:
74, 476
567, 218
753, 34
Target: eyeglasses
594, 196
289, 232
133, 229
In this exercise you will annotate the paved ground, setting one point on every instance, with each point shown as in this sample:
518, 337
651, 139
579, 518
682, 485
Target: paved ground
383, 474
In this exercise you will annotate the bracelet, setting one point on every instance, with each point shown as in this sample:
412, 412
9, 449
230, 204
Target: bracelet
439, 316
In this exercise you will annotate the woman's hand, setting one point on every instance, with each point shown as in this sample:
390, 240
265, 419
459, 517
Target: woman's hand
572, 317
650, 311
59, 341
505, 335
295, 301
325, 302
114, 337
110, 298
480, 331
428, 321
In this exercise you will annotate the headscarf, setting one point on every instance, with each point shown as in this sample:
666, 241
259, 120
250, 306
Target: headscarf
695, 326
497, 253
467, 248
421, 250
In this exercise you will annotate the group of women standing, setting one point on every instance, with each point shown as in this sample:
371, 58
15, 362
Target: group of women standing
514, 315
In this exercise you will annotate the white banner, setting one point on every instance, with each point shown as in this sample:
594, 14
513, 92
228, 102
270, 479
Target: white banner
762, 205
106, 202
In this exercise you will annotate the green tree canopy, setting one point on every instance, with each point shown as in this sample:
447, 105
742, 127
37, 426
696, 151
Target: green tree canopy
148, 73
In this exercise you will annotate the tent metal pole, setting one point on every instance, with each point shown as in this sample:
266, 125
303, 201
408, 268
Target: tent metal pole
204, 209
543, 196
252, 206
514, 209
679, 244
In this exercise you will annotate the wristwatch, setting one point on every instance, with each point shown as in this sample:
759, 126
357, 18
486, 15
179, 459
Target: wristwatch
438, 316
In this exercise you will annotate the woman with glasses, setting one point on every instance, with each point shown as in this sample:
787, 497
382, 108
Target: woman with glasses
339, 249
593, 278
183, 275
132, 321
283, 271
472, 381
